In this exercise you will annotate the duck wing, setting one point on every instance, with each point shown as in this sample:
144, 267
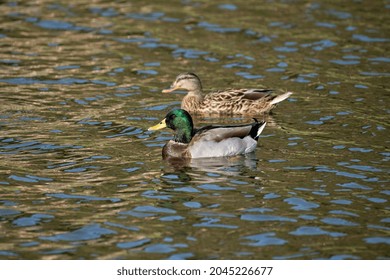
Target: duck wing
218, 141
236, 95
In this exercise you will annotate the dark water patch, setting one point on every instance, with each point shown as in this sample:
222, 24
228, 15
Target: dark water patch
34, 81
104, 12
29, 244
156, 195
228, 7
344, 257
153, 16
338, 222
263, 239
326, 24
209, 222
137, 214
340, 173
172, 218
58, 252
353, 185
53, 24
375, 74
373, 199
32, 220
217, 28
215, 187
361, 150
81, 169
88, 121
188, 53
367, 39
4, 212
160, 248
133, 244
66, 67
146, 72
265, 218
29, 178
344, 213
192, 204
380, 59
301, 204
361, 86
187, 190
339, 14
15, 146
258, 210
96, 157
82, 198
60, 165
87, 232
344, 62
280, 24
312, 231
57, 25
128, 131
7, 253
249, 76
286, 49
12, 62
308, 217
341, 201
366, 168
104, 83
130, 228
147, 209
238, 65
145, 39
181, 256
275, 69
131, 169
377, 240
320, 45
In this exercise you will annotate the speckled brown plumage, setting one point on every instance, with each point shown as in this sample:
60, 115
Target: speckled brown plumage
229, 101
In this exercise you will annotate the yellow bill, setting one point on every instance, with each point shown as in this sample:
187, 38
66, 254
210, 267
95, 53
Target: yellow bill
168, 90
158, 126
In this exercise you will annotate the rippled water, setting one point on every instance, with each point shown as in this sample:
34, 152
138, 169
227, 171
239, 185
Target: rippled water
82, 178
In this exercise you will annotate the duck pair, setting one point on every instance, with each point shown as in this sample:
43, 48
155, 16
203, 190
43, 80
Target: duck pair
212, 140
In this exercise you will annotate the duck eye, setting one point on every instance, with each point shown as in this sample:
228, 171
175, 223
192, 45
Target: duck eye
172, 117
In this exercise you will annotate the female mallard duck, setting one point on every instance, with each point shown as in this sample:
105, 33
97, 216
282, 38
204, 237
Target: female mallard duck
230, 101
208, 141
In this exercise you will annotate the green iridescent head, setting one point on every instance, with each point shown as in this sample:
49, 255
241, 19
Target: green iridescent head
180, 122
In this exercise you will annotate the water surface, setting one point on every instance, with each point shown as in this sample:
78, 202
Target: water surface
82, 178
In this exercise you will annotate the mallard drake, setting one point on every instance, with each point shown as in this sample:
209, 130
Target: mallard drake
208, 141
229, 101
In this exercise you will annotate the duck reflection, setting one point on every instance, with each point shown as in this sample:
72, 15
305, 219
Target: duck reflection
210, 170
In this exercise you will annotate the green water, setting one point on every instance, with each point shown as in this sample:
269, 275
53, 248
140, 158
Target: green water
82, 178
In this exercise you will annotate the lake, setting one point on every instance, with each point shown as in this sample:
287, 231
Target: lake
82, 178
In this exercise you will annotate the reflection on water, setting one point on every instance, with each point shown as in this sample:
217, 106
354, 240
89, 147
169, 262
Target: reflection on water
82, 178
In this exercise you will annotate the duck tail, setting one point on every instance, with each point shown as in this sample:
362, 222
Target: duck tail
281, 97
257, 128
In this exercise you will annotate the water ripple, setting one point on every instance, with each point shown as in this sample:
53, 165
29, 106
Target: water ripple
32, 220
301, 204
310, 230
82, 197
265, 218
264, 239
87, 232
133, 244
